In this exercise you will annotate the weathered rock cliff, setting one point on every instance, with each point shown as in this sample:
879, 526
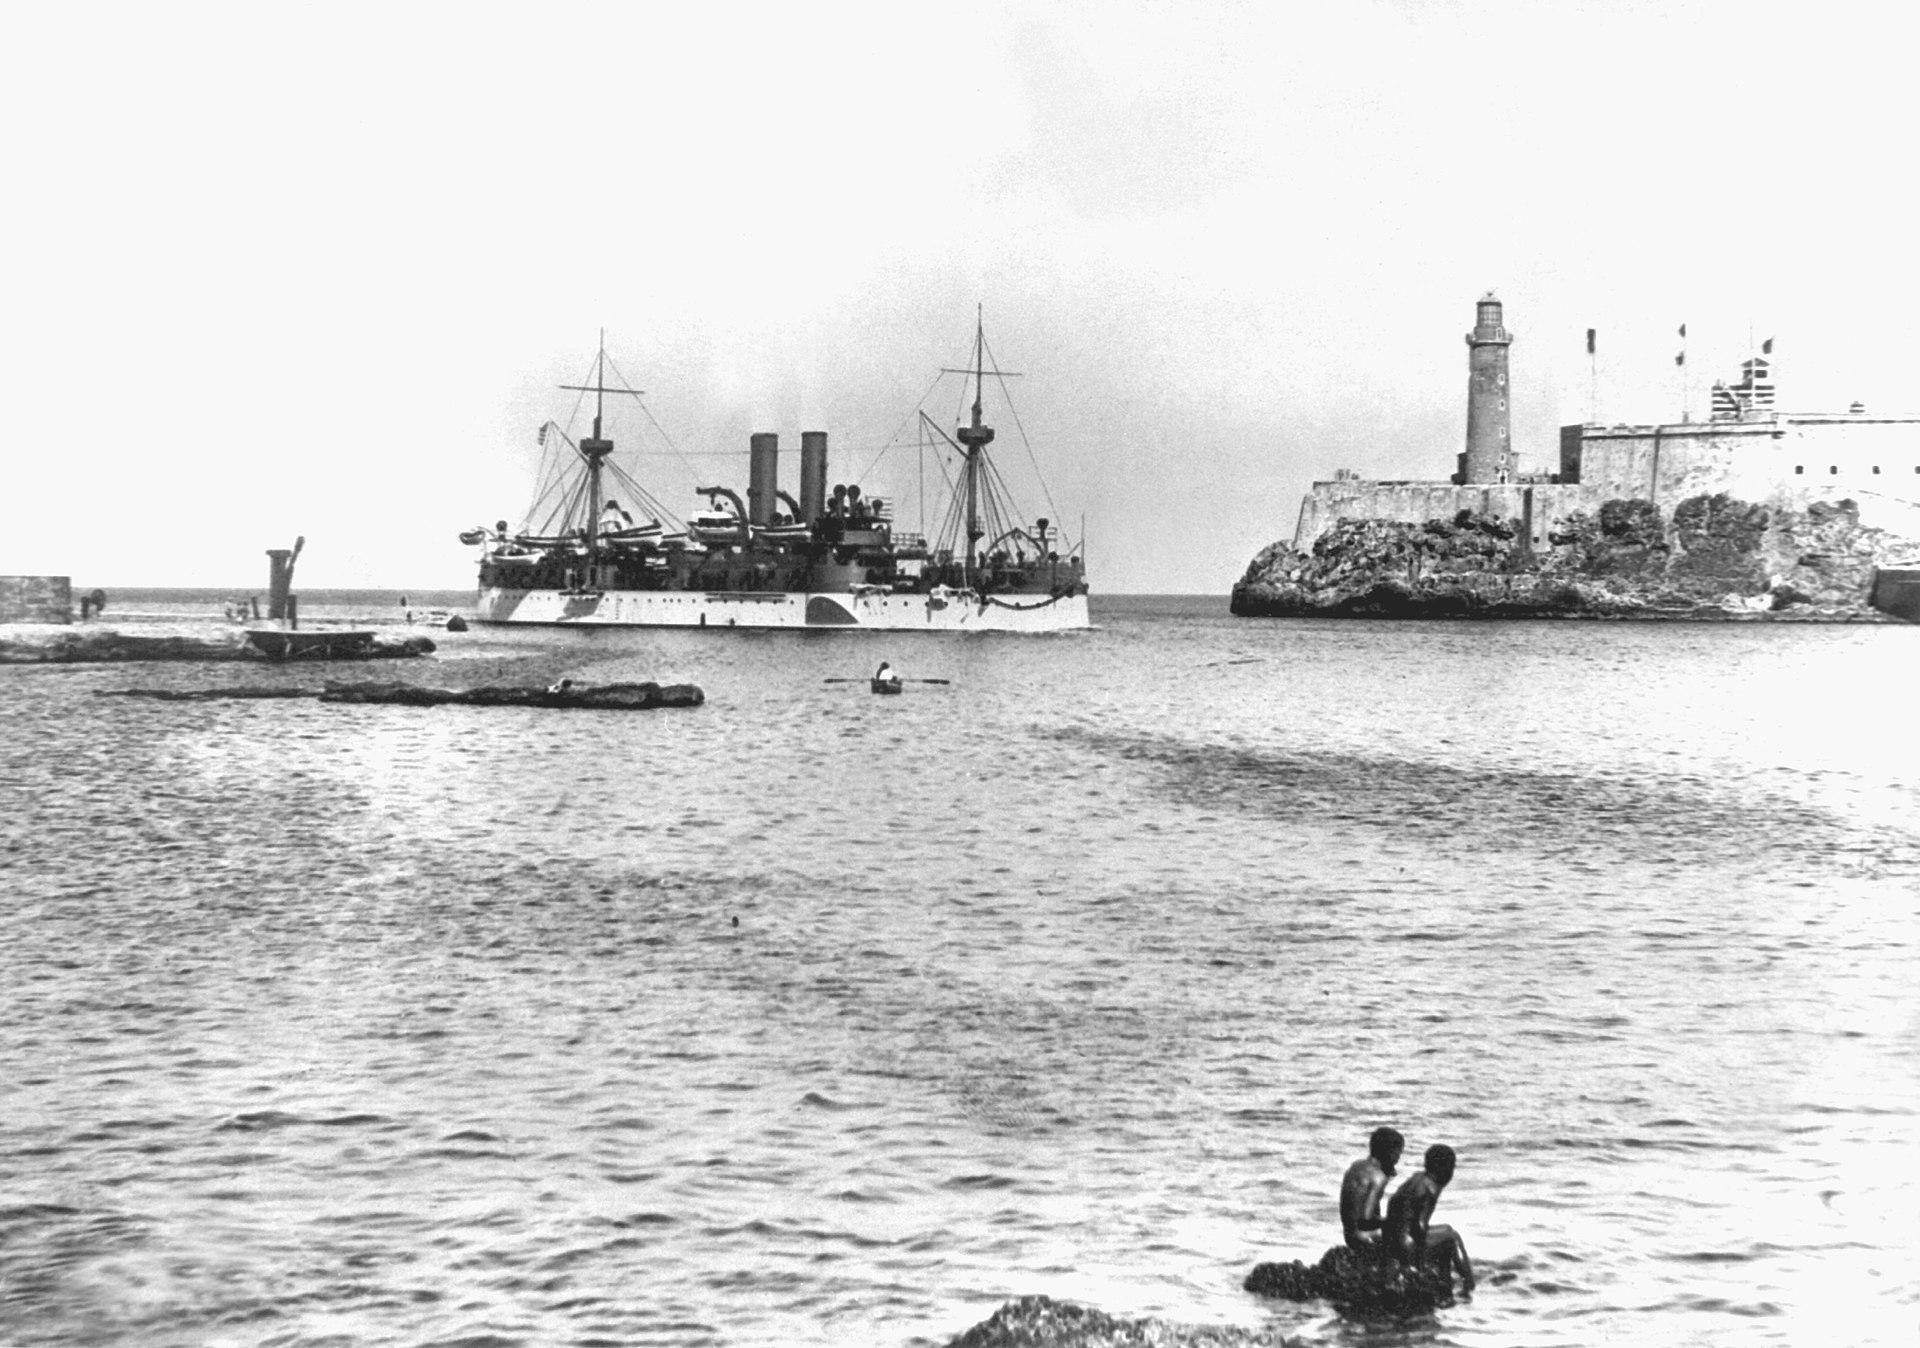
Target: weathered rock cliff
1714, 557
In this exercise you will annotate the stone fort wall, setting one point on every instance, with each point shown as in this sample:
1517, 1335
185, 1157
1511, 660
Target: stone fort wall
1786, 461
36, 599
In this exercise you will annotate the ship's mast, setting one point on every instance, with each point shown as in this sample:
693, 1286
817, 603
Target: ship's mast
594, 449
975, 437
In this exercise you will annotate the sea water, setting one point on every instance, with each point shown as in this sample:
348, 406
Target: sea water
810, 1016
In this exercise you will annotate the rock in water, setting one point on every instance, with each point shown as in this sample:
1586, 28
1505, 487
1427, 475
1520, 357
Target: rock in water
1291, 1281
1042, 1322
1355, 1286
203, 694
600, 696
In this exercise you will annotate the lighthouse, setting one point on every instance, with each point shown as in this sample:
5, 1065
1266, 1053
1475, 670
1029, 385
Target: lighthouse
1489, 453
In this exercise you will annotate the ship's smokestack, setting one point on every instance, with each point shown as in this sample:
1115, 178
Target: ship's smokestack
1489, 452
763, 479
813, 474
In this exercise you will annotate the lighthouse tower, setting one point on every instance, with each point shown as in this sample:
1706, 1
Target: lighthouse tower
1489, 452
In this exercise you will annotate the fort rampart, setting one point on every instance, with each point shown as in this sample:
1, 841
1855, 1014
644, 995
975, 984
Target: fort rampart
36, 599
1787, 461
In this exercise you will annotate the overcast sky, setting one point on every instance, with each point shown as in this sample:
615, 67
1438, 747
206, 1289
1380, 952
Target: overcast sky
277, 270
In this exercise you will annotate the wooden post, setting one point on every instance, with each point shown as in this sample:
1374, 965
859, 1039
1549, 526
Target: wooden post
280, 578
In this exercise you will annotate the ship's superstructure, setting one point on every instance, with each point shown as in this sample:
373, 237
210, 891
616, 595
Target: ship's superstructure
827, 559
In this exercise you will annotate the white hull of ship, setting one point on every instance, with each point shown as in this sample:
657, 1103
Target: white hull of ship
959, 611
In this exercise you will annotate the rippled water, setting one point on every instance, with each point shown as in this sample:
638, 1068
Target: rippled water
815, 1017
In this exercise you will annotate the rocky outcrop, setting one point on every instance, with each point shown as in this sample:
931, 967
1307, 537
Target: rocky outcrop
1353, 1286
1714, 557
1364, 1290
1042, 1322
594, 696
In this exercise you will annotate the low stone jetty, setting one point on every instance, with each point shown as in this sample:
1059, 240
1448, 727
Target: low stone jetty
587, 696
205, 694
566, 694
23, 645
1896, 591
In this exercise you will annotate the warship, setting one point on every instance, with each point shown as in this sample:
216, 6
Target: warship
824, 559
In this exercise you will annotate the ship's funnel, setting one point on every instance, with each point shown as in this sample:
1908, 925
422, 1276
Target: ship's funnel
763, 478
813, 474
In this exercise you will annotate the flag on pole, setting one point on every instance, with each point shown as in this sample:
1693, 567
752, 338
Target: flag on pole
543, 433
1683, 331
1589, 341
1766, 347
1680, 359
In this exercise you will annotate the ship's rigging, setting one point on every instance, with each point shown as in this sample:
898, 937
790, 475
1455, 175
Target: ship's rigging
586, 493
980, 517
599, 545
573, 503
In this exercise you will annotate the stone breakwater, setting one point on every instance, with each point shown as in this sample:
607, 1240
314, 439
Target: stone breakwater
31, 645
601, 696
1712, 557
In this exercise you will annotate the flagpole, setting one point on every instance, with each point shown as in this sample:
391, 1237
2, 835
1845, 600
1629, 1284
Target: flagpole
1593, 382
1766, 354
1686, 401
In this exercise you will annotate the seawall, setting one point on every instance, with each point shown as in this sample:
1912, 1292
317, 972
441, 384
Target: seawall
54, 644
36, 599
1417, 502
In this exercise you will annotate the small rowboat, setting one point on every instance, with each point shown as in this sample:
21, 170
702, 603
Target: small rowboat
885, 685
641, 535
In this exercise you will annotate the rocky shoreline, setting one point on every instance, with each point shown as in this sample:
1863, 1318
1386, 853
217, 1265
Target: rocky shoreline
1714, 558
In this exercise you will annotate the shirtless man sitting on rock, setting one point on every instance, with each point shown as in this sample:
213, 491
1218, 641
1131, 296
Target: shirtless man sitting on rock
1408, 1232
1363, 1188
